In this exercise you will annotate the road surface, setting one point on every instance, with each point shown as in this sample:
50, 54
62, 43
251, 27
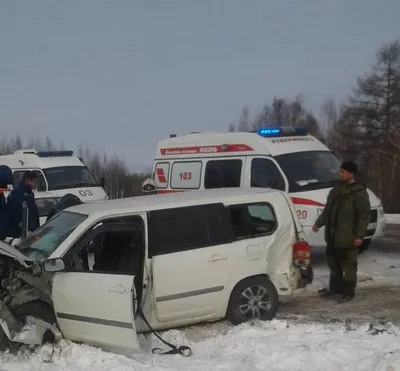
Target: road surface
378, 293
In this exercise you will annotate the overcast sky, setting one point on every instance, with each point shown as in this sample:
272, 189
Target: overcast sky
120, 75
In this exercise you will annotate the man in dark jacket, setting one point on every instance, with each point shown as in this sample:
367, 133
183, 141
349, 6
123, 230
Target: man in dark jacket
346, 218
6, 179
14, 207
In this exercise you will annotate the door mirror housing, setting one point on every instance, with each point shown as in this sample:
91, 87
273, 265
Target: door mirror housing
54, 265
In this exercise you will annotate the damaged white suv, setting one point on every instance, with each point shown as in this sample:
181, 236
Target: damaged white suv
179, 258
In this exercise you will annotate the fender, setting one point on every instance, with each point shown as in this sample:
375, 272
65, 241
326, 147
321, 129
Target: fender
25, 294
30, 333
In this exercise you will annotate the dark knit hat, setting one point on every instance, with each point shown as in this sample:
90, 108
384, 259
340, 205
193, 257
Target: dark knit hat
349, 166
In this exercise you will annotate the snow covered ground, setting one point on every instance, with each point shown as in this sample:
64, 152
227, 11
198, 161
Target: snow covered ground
309, 333
277, 345
392, 218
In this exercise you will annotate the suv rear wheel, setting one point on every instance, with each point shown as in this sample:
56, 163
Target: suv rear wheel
251, 299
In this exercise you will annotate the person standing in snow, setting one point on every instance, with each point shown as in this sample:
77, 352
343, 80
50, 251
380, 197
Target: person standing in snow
14, 208
6, 179
346, 218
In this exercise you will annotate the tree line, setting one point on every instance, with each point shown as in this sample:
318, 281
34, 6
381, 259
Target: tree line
365, 128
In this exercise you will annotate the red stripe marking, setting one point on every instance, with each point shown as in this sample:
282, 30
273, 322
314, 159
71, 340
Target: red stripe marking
168, 191
161, 175
306, 202
206, 149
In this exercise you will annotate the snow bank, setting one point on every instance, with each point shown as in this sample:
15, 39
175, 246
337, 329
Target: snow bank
277, 345
392, 218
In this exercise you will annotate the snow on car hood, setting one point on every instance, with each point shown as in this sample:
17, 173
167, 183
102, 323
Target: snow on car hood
12, 252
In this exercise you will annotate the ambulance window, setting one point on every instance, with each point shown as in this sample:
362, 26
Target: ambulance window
309, 170
265, 174
186, 175
41, 183
223, 173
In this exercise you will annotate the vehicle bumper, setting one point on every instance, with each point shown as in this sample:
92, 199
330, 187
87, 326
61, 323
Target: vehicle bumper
30, 333
306, 276
378, 230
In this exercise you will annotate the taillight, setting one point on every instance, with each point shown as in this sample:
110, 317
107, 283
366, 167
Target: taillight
302, 252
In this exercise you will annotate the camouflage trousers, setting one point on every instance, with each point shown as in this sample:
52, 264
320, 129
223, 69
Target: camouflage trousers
342, 265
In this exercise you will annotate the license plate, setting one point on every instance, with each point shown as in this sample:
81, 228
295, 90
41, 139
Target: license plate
372, 226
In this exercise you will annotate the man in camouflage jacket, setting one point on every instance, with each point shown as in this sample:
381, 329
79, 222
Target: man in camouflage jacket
346, 218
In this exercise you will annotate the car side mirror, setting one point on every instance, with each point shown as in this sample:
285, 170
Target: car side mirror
102, 182
54, 265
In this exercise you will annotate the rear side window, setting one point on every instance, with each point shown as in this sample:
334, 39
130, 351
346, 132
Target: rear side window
223, 173
265, 174
187, 228
252, 220
186, 174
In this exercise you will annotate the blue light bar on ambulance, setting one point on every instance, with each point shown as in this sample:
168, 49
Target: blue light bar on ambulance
282, 132
55, 153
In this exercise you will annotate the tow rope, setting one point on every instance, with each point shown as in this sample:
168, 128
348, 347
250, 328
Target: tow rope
183, 350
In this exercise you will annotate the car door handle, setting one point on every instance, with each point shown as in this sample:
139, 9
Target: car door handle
119, 288
217, 257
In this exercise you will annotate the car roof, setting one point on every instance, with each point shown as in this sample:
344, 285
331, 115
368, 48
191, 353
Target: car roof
166, 201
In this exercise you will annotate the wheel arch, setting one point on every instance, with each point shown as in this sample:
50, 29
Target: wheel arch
238, 283
25, 295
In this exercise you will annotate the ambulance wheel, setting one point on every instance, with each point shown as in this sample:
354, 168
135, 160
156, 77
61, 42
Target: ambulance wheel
37, 309
364, 247
254, 298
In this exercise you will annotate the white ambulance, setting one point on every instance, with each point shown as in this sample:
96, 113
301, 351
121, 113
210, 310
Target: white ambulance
59, 173
287, 159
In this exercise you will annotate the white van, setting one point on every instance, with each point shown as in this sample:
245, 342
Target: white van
282, 158
181, 258
59, 173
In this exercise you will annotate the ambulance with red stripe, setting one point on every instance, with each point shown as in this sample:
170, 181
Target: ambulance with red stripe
287, 159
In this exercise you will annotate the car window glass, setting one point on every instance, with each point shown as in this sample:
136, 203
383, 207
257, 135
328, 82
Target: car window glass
41, 182
223, 173
265, 174
309, 170
111, 251
186, 228
249, 221
40, 244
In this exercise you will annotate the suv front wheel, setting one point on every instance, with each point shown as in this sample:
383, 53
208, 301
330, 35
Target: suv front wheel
254, 298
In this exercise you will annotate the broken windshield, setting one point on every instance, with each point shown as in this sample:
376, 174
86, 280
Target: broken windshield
44, 241
309, 170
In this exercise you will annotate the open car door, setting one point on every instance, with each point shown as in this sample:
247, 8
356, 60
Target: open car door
97, 307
